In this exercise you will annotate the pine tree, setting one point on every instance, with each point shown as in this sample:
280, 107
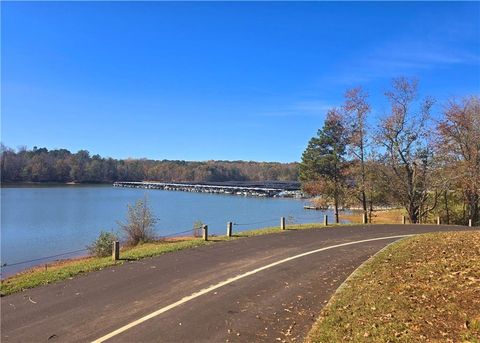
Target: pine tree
322, 170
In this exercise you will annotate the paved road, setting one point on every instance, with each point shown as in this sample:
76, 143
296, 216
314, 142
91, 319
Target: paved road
279, 303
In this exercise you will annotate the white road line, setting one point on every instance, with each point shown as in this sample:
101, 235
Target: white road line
228, 281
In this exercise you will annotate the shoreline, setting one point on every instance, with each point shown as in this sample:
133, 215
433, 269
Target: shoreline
50, 184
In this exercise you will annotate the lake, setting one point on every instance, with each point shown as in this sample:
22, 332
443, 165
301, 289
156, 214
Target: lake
41, 221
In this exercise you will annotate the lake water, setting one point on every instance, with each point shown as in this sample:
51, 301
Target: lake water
37, 221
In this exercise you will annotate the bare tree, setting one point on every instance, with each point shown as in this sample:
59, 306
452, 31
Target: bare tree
404, 137
356, 108
459, 145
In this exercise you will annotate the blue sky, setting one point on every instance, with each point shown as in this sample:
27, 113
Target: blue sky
217, 80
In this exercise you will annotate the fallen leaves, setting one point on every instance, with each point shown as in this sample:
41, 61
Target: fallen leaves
426, 288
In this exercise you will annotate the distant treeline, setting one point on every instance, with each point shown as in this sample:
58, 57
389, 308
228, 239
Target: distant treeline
60, 165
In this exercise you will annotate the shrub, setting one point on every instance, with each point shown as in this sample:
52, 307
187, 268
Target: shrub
102, 246
197, 228
140, 224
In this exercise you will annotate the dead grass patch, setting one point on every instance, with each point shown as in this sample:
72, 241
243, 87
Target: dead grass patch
392, 216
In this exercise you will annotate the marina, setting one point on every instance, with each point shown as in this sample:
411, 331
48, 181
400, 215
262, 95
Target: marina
258, 189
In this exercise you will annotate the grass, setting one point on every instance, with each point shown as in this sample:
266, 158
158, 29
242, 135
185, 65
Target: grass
424, 288
69, 268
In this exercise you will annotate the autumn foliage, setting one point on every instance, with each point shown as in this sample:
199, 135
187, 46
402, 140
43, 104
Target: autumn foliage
412, 159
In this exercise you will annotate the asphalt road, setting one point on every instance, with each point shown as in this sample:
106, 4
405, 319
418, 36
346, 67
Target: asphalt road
279, 302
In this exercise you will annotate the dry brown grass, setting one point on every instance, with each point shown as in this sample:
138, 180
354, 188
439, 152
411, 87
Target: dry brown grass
422, 289
393, 216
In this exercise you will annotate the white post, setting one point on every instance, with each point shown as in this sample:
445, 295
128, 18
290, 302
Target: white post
470, 222
282, 223
404, 220
205, 232
229, 229
438, 220
325, 220
116, 251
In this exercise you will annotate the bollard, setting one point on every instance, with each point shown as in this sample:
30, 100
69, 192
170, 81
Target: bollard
325, 220
205, 232
438, 220
364, 218
229, 229
282, 223
116, 251
403, 220
470, 222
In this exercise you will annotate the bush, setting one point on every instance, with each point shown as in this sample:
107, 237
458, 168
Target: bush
140, 224
103, 245
197, 228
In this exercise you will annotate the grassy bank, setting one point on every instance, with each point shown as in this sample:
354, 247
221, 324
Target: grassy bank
422, 289
69, 268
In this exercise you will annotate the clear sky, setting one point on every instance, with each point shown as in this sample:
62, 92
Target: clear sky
217, 80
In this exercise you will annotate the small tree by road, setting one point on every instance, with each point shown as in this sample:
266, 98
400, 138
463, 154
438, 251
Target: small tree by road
404, 137
102, 246
357, 108
139, 226
458, 146
322, 170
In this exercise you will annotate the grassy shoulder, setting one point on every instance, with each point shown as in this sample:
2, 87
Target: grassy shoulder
69, 268
422, 289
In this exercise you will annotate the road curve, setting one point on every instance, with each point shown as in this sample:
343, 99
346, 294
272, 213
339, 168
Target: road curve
264, 288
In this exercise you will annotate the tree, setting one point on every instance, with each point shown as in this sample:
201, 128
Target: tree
459, 145
404, 137
322, 170
12, 164
140, 224
356, 108
79, 162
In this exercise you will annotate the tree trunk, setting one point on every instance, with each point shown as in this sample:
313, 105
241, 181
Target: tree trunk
364, 204
473, 209
413, 213
336, 210
362, 161
370, 212
445, 198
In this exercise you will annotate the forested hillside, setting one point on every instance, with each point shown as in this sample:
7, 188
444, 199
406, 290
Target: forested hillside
43, 165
